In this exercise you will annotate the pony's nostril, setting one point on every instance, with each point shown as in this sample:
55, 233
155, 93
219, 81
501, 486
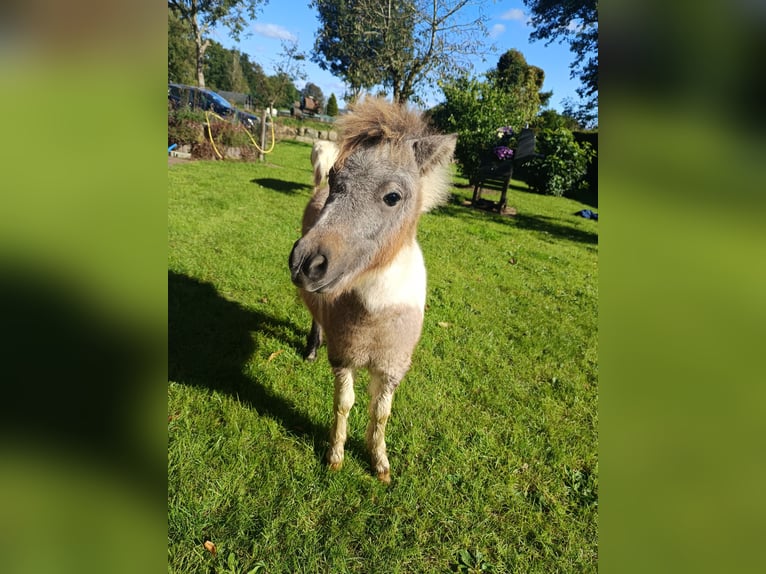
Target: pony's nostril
315, 267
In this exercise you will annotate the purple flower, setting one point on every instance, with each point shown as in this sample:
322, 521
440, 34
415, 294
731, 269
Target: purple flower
503, 152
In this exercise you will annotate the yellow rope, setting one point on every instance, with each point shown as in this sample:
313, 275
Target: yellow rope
212, 141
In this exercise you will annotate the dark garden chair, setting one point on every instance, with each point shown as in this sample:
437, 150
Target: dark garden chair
497, 175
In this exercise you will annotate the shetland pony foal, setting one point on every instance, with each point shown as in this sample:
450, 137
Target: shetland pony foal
323, 156
358, 266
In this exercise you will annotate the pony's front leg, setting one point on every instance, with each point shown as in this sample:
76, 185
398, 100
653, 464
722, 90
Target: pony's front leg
342, 402
381, 396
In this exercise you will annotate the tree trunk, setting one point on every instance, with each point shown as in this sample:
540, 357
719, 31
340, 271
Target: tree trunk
201, 46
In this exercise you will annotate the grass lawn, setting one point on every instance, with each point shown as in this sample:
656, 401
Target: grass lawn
493, 433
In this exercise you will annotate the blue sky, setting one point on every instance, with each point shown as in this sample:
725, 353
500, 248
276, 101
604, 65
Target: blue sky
507, 25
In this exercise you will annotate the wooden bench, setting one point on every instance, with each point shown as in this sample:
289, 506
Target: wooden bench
497, 175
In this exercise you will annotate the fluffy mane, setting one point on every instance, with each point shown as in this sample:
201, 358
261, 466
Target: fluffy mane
374, 121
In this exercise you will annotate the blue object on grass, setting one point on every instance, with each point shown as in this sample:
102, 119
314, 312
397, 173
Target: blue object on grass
171, 148
587, 214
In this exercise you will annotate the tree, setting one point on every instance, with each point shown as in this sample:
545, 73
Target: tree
343, 45
255, 78
203, 15
575, 22
332, 106
216, 67
315, 92
551, 119
180, 50
402, 45
280, 88
514, 75
237, 74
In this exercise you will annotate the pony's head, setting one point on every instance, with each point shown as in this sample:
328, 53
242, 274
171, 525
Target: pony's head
389, 170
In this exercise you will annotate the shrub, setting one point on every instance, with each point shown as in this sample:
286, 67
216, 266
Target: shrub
564, 163
474, 110
185, 126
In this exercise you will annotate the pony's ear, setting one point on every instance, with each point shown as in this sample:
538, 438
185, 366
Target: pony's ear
433, 151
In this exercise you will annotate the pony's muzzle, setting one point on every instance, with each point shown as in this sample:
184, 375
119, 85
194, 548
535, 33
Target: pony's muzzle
307, 269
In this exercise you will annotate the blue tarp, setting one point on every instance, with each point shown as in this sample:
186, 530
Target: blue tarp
588, 214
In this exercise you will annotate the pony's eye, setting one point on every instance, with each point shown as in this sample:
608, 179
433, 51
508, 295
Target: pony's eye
392, 198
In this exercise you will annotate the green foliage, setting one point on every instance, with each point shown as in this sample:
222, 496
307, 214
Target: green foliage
255, 78
202, 16
184, 126
305, 122
400, 45
279, 90
551, 119
343, 45
180, 50
563, 166
332, 106
552, 20
493, 435
190, 127
514, 75
472, 563
474, 110
217, 67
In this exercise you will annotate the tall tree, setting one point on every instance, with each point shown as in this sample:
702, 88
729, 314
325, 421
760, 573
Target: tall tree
332, 106
513, 74
216, 67
237, 74
574, 22
255, 78
402, 45
203, 15
343, 45
180, 50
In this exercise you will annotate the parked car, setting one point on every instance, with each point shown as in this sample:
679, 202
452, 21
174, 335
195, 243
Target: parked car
204, 99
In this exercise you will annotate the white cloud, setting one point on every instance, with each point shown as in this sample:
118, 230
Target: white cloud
273, 31
514, 14
496, 30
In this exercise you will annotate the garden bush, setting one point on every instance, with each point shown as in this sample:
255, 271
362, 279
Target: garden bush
185, 126
475, 111
563, 166
190, 127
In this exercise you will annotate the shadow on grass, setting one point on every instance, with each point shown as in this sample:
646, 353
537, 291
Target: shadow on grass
550, 226
281, 186
539, 223
210, 342
73, 376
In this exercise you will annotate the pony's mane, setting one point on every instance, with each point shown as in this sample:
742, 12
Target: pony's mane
374, 121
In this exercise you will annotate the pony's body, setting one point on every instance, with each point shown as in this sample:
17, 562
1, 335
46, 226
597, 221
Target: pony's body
323, 156
358, 265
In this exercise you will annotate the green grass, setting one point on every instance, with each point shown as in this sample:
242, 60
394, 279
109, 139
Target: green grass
493, 435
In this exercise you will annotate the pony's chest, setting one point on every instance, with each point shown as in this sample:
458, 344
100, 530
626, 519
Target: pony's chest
402, 283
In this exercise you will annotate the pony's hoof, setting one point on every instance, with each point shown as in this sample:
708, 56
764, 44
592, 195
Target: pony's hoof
384, 477
336, 466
